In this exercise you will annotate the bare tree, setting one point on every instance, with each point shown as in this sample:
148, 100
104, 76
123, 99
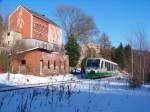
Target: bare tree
1, 30
104, 41
141, 39
139, 44
1, 25
142, 47
16, 54
131, 42
76, 22
105, 46
18, 46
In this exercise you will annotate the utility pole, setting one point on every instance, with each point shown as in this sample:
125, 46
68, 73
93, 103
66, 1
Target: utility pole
131, 60
143, 69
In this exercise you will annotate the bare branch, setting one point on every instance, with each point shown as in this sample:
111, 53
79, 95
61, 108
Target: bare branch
1, 30
76, 22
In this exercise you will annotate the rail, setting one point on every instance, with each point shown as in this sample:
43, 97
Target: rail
18, 87
85, 85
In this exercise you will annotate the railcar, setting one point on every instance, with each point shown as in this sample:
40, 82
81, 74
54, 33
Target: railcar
100, 67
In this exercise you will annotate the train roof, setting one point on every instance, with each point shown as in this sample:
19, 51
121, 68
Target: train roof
105, 60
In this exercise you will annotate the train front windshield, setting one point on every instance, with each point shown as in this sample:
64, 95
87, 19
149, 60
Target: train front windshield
93, 63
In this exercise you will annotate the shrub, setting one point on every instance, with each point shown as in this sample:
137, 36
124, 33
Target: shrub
4, 61
134, 82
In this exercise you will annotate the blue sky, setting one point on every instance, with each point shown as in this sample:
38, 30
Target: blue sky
118, 18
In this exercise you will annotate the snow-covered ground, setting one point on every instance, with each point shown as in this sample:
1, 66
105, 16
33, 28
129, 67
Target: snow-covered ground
80, 95
20, 79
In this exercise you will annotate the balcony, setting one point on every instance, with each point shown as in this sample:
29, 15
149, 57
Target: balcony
41, 44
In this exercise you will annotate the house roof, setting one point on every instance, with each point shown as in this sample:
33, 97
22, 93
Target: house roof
36, 49
40, 16
33, 49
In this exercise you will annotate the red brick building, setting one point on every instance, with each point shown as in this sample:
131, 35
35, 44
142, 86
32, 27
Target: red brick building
1, 68
47, 56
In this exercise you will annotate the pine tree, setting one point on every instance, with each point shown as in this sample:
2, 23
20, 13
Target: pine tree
113, 55
120, 58
73, 50
127, 53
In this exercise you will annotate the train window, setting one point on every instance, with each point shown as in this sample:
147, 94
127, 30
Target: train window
110, 66
105, 64
115, 67
102, 64
93, 63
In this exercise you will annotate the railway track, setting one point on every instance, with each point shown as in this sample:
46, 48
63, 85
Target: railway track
19, 87
27, 86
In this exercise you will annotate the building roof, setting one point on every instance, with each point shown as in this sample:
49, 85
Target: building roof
34, 49
40, 16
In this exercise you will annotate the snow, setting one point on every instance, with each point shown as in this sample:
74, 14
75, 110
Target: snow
81, 95
20, 79
74, 97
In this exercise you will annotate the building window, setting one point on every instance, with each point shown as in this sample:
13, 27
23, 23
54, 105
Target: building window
48, 65
23, 62
54, 65
8, 34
